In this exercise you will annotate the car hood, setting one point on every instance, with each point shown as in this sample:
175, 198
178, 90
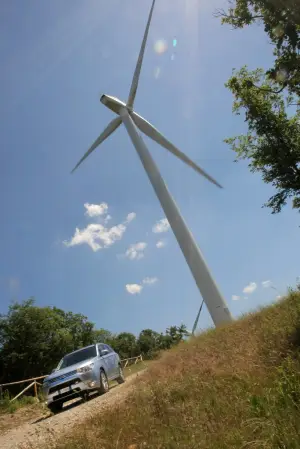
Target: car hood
68, 370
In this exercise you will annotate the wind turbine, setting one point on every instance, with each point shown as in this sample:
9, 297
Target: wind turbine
197, 319
215, 303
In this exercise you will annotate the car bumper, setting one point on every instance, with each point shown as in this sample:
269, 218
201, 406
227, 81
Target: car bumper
75, 387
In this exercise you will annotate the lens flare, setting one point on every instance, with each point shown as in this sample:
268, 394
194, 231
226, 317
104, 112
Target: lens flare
174, 42
160, 46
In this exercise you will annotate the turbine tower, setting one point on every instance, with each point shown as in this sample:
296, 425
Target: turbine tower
197, 319
214, 301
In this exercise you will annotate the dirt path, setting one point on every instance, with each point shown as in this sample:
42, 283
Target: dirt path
47, 430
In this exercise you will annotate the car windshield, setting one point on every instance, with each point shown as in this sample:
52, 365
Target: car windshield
77, 357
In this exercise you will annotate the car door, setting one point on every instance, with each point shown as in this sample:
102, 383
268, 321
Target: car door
106, 360
103, 359
111, 361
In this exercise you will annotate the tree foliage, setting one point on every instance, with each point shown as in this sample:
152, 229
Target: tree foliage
33, 339
270, 99
125, 344
177, 333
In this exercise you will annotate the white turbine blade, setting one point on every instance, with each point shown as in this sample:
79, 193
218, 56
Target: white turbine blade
154, 134
111, 127
136, 76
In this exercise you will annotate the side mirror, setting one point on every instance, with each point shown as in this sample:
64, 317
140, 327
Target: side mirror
104, 352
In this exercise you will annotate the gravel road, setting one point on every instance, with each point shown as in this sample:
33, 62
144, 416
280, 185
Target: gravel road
46, 431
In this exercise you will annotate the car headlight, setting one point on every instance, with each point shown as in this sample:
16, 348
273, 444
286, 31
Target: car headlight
85, 369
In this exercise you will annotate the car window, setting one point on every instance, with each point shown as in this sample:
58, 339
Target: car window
100, 347
78, 356
108, 348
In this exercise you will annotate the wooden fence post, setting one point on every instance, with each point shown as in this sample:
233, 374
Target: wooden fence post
35, 390
23, 391
33, 384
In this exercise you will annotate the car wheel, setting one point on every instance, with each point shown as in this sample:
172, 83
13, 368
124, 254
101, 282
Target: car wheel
104, 387
55, 407
120, 379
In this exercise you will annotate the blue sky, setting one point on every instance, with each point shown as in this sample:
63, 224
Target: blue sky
57, 59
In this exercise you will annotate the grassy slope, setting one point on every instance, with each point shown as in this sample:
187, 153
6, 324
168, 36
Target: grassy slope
234, 387
132, 369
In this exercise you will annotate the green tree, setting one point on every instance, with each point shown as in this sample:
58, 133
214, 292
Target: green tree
33, 339
102, 336
149, 343
177, 333
125, 344
165, 342
78, 326
270, 99
281, 22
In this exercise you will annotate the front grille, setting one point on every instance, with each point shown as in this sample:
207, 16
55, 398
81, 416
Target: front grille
62, 377
67, 394
64, 385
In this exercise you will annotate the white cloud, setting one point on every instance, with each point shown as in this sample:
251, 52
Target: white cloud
130, 217
150, 281
96, 235
95, 210
235, 298
278, 297
160, 244
250, 288
134, 289
136, 251
266, 284
161, 226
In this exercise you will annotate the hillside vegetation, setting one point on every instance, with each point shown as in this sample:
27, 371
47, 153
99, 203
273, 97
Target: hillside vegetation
234, 387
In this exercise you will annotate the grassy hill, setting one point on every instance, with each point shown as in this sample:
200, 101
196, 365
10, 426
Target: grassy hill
234, 387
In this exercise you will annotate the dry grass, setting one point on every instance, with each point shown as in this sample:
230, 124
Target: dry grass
234, 387
136, 368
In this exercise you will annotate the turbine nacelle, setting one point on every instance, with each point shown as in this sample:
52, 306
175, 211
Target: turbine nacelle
120, 108
113, 103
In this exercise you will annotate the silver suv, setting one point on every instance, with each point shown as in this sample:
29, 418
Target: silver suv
80, 372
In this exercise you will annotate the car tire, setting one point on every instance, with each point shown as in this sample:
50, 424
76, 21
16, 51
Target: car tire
104, 387
121, 378
55, 407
